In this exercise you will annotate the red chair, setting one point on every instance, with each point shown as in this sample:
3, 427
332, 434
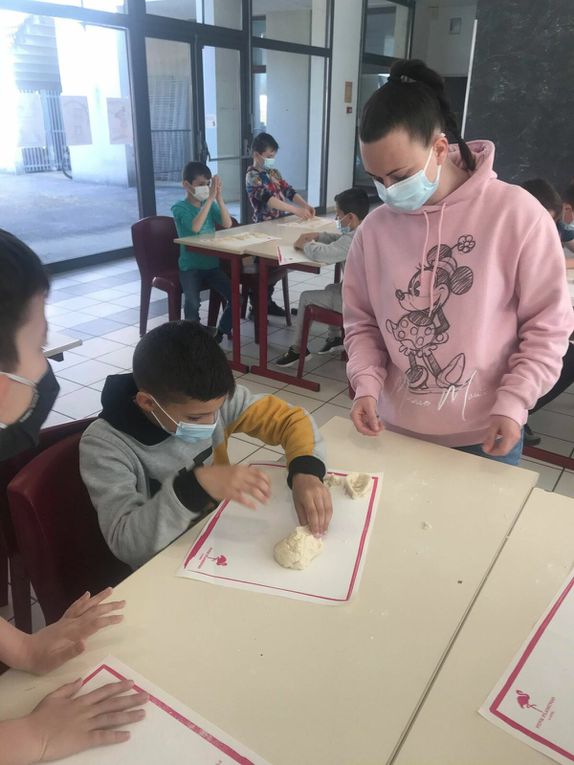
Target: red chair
57, 530
157, 257
323, 315
12, 566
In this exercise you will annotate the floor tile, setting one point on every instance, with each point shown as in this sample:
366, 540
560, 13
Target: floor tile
70, 319
133, 288
129, 301
55, 418
79, 404
107, 295
70, 358
248, 379
125, 335
334, 369
324, 413
121, 358
38, 621
548, 475
257, 388
552, 424
267, 455
566, 484
564, 404
88, 371
75, 290
77, 303
239, 450
96, 347
59, 282
329, 388
99, 327
556, 445
126, 316
295, 399
342, 400
156, 321
102, 310
67, 386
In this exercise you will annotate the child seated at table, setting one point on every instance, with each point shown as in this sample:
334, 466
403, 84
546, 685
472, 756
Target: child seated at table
351, 207
270, 195
155, 462
550, 199
199, 213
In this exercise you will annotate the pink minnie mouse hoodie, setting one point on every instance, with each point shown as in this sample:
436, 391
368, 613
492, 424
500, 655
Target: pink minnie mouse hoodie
457, 311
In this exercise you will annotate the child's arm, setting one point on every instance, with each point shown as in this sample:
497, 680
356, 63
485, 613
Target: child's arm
55, 644
64, 723
275, 422
201, 217
328, 248
298, 199
225, 217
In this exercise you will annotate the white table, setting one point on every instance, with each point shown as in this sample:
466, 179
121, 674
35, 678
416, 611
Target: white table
532, 567
56, 345
343, 682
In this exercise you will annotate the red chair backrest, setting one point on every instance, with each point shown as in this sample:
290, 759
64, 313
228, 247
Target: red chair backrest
57, 530
154, 249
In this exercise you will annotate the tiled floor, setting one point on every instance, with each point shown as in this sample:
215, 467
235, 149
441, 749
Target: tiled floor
100, 305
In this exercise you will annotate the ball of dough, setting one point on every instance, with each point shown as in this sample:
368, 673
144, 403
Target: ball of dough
298, 549
357, 484
331, 480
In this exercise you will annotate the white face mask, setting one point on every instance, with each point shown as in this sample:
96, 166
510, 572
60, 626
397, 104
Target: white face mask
201, 192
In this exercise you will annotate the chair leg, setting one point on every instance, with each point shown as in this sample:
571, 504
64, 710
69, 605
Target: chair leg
255, 303
145, 294
174, 305
21, 594
244, 301
285, 282
213, 311
307, 319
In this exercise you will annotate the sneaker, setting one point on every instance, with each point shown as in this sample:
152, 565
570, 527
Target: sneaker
219, 335
290, 357
274, 310
530, 438
332, 345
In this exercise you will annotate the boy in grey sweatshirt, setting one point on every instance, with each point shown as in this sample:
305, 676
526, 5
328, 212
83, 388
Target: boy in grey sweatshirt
351, 207
155, 461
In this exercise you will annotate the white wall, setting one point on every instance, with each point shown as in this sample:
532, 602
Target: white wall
447, 53
345, 67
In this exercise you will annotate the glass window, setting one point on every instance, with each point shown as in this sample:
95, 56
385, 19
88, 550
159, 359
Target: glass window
111, 6
298, 21
370, 79
387, 28
171, 114
222, 13
67, 169
288, 96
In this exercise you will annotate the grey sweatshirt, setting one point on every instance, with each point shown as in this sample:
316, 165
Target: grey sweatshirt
141, 479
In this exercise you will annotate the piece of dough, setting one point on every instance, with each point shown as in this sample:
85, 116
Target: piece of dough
331, 480
357, 484
298, 549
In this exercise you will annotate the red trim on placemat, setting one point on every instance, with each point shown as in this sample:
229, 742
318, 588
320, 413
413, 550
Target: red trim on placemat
215, 742
209, 528
494, 707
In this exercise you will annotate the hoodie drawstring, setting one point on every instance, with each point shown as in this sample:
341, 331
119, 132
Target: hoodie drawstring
435, 266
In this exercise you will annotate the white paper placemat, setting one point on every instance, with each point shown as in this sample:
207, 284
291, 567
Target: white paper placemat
287, 254
534, 700
236, 547
312, 223
169, 733
237, 241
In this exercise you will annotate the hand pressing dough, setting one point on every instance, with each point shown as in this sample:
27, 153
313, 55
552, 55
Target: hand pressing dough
357, 484
331, 480
298, 549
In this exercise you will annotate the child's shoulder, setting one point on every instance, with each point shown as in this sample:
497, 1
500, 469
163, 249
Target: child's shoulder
182, 206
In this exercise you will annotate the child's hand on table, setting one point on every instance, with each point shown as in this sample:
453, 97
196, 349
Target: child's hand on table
313, 502
364, 416
304, 239
240, 483
311, 210
502, 434
55, 644
64, 724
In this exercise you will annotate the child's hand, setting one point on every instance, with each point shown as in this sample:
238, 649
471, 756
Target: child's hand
52, 646
304, 239
312, 502
240, 483
64, 724
503, 433
214, 187
310, 209
364, 416
218, 187
302, 212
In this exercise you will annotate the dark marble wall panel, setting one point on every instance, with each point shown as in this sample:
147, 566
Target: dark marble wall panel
522, 87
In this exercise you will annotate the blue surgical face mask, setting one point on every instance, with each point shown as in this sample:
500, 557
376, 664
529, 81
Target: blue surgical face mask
190, 432
413, 192
268, 162
342, 229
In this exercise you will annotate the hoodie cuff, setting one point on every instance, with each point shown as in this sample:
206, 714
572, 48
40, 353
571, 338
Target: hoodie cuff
508, 405
307, 465
367, 386
191, 494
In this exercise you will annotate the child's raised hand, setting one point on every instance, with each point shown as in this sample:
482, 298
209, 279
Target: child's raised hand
214, 187
52, 646
240, 483
64, 724
313, 502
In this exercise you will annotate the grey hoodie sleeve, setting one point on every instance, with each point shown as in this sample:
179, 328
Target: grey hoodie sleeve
329, 248
134, 527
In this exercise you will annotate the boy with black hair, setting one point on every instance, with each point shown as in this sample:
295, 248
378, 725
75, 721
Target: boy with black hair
156, 462
567, 222
351, 207
62, 723
199, 213
270, 195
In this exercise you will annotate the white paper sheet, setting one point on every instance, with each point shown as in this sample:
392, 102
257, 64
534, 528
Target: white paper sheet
287, 254
236, 241
534, 700
120, 121
236, 547
76, 116
312, 223
169, 733
30, 121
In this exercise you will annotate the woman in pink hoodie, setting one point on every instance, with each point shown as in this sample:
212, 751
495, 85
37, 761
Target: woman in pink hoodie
455, 301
